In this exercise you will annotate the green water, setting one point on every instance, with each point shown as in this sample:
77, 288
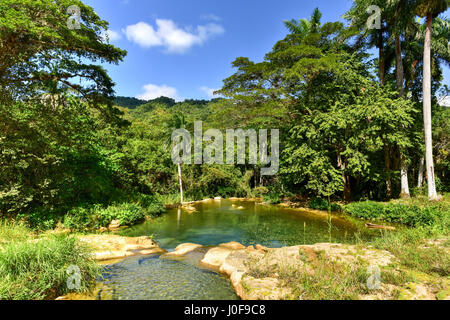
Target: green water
217, 222
214, 222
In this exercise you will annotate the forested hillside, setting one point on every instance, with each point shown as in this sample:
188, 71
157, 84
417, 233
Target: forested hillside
351, 126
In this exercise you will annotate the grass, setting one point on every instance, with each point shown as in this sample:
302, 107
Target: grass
34, 268
422, 257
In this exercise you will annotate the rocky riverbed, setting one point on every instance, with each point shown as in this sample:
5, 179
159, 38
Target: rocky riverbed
256, 272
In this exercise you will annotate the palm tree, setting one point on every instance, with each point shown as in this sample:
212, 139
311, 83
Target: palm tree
402, 16
395, 16
304, 26
429, 9
358, 16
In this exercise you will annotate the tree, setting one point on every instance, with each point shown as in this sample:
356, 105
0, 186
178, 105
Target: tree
303, 26
40, 53
178, 122
429, 9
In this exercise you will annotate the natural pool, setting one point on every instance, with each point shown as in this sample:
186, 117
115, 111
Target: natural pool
215, 222
247, 222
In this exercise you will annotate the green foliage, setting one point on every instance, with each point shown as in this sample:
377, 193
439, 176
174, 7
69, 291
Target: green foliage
323, 204
411, 215
127, 102
273, 198
91, 217
38, 270
39, 219
39, 52
126, 213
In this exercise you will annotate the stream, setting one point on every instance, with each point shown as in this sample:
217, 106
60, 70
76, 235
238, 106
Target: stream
214, 222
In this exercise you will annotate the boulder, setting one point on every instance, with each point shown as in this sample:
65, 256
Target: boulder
114, 225
232, 246
184, 249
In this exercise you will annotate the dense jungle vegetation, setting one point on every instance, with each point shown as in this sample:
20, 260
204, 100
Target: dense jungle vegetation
353, 127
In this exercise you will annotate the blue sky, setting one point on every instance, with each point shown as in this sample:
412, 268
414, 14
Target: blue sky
184, 49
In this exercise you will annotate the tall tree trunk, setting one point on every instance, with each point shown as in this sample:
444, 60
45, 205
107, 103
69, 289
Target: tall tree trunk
181, 183
399, 65
432, 194
381, 57
401, 92
421, 169
387, 157
404, 174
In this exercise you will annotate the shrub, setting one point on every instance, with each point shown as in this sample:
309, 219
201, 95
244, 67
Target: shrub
84, 217
410, 215
38, 270
322, 204
260, 192
273, 198
151, 204
40, 219
127, 213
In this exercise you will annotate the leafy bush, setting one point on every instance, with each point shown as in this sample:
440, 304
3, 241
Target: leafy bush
273, 198
260, 192
39, 219
322, 204
152, 205
38, 270
410, 215
84, 217
127, 213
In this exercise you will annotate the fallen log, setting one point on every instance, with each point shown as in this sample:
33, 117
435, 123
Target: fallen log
376, 226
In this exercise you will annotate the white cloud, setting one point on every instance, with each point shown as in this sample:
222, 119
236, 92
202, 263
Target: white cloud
209, 92
211, 17
152, 91
167, 34
110, 36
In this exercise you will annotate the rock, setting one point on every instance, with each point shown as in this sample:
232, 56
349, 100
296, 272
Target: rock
218, 198
103, 230
261, 248
215, 257
112, 247
183, 249
235, 262
263, 289
190, 209
416, 291
350, 254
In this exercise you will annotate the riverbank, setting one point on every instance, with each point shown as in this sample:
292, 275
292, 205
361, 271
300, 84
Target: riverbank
418, 268
308, 272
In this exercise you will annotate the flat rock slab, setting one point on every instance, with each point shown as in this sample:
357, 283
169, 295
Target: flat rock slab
215, 257
184, 249
111, 247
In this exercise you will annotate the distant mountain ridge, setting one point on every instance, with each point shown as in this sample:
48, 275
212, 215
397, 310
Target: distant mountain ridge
134, 103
